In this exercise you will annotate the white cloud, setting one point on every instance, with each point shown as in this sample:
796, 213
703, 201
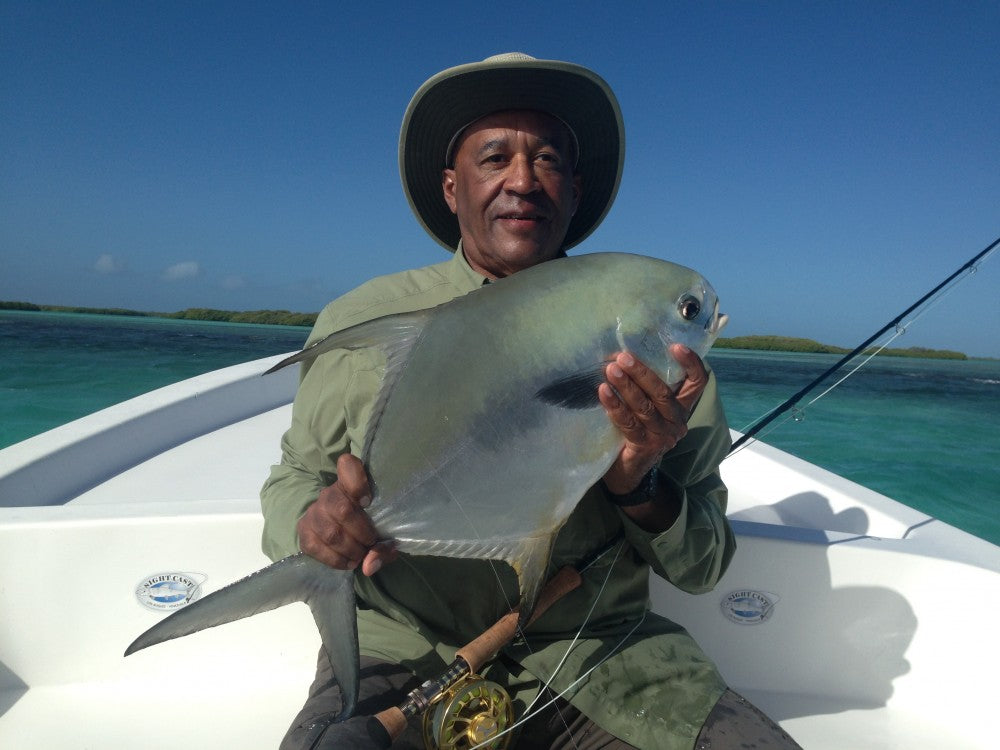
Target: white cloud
186, 270
107, 263
233, 282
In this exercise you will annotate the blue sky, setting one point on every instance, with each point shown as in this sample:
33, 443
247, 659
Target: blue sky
822, 164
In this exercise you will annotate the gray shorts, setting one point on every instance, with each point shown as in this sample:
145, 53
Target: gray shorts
734, 723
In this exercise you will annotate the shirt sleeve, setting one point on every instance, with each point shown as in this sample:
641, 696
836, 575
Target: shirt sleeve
337, 392
695, 551
318, 435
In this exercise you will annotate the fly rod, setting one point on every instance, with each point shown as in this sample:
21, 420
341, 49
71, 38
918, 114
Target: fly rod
779, 410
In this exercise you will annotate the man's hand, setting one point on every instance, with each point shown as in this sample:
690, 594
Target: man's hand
337, 531
651, 416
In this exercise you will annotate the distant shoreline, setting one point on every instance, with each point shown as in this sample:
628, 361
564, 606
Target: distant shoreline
286, 318
256, 317
808, 346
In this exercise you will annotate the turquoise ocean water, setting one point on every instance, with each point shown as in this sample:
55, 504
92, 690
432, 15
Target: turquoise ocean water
921, 431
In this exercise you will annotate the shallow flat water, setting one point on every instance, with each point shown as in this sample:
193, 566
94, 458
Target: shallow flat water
57, 367
921, 431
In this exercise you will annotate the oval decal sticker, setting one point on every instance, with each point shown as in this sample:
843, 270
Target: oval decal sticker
166, 591
749, 607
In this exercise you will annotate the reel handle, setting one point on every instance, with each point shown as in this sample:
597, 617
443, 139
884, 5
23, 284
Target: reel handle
385, 726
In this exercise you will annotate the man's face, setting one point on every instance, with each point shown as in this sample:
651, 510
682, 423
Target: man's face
513, 190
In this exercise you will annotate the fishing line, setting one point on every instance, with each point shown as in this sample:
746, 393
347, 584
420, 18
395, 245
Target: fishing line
935, 295
545, 688
579, 632
479, 537
614, 650
520, 631
798, 415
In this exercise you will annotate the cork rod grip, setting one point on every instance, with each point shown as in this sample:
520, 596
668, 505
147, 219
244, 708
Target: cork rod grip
478, 652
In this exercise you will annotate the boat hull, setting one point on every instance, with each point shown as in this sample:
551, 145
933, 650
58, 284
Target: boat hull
851, 619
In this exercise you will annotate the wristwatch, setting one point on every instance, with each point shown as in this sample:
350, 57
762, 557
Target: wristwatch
644, 492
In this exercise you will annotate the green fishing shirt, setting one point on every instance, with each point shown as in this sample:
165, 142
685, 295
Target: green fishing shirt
657, 687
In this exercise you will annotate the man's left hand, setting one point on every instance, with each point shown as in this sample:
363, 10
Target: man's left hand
652, 417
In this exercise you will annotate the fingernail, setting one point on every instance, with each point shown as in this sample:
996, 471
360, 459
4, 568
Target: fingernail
627, 359
375, 566
615, 371
365, 501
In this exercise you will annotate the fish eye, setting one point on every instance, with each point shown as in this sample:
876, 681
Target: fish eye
689, 308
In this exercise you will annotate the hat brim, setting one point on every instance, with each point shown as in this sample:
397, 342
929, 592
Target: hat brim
456, 97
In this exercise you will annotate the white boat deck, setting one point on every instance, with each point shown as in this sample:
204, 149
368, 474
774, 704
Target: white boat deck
879, 634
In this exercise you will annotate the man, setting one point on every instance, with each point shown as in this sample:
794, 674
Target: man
508, 163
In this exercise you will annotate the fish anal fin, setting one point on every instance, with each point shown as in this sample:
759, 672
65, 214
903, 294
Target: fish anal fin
530, 563
333, 609
576, 391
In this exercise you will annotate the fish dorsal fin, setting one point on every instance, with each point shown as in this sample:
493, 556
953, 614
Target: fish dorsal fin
393, 335
398, 335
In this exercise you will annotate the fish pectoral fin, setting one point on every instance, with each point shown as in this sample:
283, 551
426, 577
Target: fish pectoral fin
576, 391
530, 563
299, 578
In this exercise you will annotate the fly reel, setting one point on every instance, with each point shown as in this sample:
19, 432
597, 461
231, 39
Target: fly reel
471, 713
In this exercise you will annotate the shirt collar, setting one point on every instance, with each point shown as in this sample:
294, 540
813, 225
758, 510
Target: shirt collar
464, 276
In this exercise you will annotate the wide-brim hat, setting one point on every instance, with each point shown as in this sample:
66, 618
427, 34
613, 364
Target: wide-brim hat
455, 98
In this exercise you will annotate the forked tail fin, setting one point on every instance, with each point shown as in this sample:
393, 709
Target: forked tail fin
299, 578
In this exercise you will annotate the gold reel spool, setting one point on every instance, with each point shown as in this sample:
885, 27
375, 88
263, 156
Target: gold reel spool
471, 713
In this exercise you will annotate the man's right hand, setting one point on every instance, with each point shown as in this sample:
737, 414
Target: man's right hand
337, 531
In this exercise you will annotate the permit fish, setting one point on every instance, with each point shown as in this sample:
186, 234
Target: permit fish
486, 400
